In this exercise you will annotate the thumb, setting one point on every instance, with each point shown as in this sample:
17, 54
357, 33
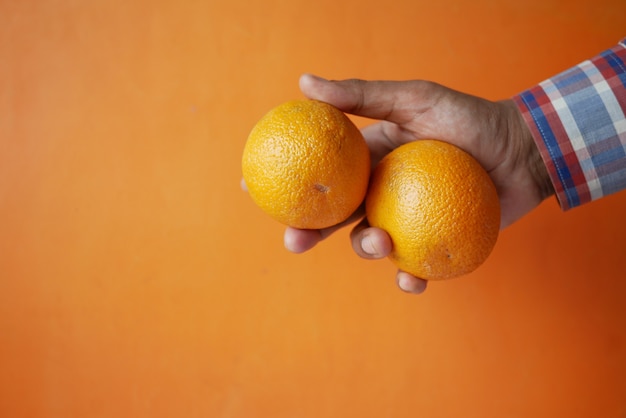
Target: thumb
394, 101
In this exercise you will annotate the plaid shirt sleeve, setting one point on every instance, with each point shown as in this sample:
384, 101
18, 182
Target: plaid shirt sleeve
578, 123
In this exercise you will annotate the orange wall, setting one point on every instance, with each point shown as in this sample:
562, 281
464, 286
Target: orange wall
138, 280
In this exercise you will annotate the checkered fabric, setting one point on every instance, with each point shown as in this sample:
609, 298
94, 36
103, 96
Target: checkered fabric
578, 123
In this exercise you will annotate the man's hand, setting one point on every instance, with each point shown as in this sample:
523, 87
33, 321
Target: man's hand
492, 132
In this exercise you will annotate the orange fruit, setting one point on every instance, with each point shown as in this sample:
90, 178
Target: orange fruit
439, 206
306, 164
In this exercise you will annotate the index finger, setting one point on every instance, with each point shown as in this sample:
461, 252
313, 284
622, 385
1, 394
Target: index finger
394, 101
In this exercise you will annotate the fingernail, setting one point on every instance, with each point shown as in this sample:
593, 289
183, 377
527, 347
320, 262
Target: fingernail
404, 283
410, 284
316, 77
368, 246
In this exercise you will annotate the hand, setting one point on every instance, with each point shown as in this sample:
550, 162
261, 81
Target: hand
492, 132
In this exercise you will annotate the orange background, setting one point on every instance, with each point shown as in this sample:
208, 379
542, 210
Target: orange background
138, 280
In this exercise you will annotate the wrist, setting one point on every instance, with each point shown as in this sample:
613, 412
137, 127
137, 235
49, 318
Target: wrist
528, 152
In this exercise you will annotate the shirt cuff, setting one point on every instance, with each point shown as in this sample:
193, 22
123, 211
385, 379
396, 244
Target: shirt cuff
577, 121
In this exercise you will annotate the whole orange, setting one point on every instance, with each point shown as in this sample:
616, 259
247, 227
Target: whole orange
306, 164
439, 206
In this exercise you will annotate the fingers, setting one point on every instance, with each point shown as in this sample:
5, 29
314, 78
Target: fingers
301, 240
394, 101
409, 283
374, 243
370, 243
